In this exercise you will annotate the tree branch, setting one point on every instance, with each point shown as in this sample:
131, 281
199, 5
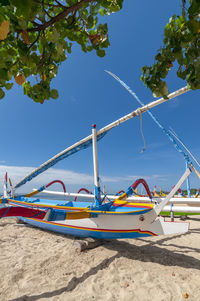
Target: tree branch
34, 41
60, 16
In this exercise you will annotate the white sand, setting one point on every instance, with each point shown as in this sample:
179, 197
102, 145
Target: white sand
39, 265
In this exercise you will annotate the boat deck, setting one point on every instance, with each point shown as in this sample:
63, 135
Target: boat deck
116, 207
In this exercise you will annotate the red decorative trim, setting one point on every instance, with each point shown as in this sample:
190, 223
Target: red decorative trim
121, 191
82, 189
56, 181
144, 183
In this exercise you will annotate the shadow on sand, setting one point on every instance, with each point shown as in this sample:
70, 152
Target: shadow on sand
152, 251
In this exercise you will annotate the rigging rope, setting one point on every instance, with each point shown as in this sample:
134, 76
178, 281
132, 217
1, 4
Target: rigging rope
167, 133
181, 142
87, 141
142, 134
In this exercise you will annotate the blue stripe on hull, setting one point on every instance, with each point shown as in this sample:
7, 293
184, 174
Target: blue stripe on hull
85, 232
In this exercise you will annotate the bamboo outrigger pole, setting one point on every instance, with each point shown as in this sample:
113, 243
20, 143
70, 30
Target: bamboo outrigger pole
87, 141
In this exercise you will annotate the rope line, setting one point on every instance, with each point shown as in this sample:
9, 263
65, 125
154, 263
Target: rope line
142, 134
167, 133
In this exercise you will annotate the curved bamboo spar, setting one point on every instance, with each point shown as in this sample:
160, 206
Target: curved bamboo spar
87, 140
143, 109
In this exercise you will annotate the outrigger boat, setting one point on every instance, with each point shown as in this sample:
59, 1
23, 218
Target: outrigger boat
104, 218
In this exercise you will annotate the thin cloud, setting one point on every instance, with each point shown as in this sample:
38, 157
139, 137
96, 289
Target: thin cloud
69, 177
147, 177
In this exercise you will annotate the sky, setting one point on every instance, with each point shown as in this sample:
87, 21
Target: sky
32, 133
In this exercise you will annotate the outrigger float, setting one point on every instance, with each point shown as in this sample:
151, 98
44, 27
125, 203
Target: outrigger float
105, 217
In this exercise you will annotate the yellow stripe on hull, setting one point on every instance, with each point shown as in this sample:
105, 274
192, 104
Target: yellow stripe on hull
147, 207
92, 229
133, 204
77, 215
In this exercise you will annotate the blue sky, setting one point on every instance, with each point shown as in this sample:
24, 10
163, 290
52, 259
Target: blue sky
32, 133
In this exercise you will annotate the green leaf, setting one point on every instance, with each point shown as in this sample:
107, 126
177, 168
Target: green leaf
5, 2
8, 86
94, 9
163, 89
90, 21
23, 7
193, 25
102, 12
54, 94
120, 2
26, 87
101, 52
23, 24
2, 93
194, 8
4, 74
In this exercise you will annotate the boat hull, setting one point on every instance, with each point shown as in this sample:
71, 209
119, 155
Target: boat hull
87, 232
111, 221
110, 227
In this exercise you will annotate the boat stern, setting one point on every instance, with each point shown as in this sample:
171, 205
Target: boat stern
162, 227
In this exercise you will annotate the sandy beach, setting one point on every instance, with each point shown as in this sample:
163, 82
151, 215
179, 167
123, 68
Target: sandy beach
39, 265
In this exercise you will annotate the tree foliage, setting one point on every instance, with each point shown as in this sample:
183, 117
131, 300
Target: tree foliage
181, 46
37, 35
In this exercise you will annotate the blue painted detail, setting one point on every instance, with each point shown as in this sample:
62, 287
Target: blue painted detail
129, 191
41, 188
33, 200
105, 196
103, 207
4, 201
94, 215
97, 196
56, 215
84, 232
23, 199
188, 183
